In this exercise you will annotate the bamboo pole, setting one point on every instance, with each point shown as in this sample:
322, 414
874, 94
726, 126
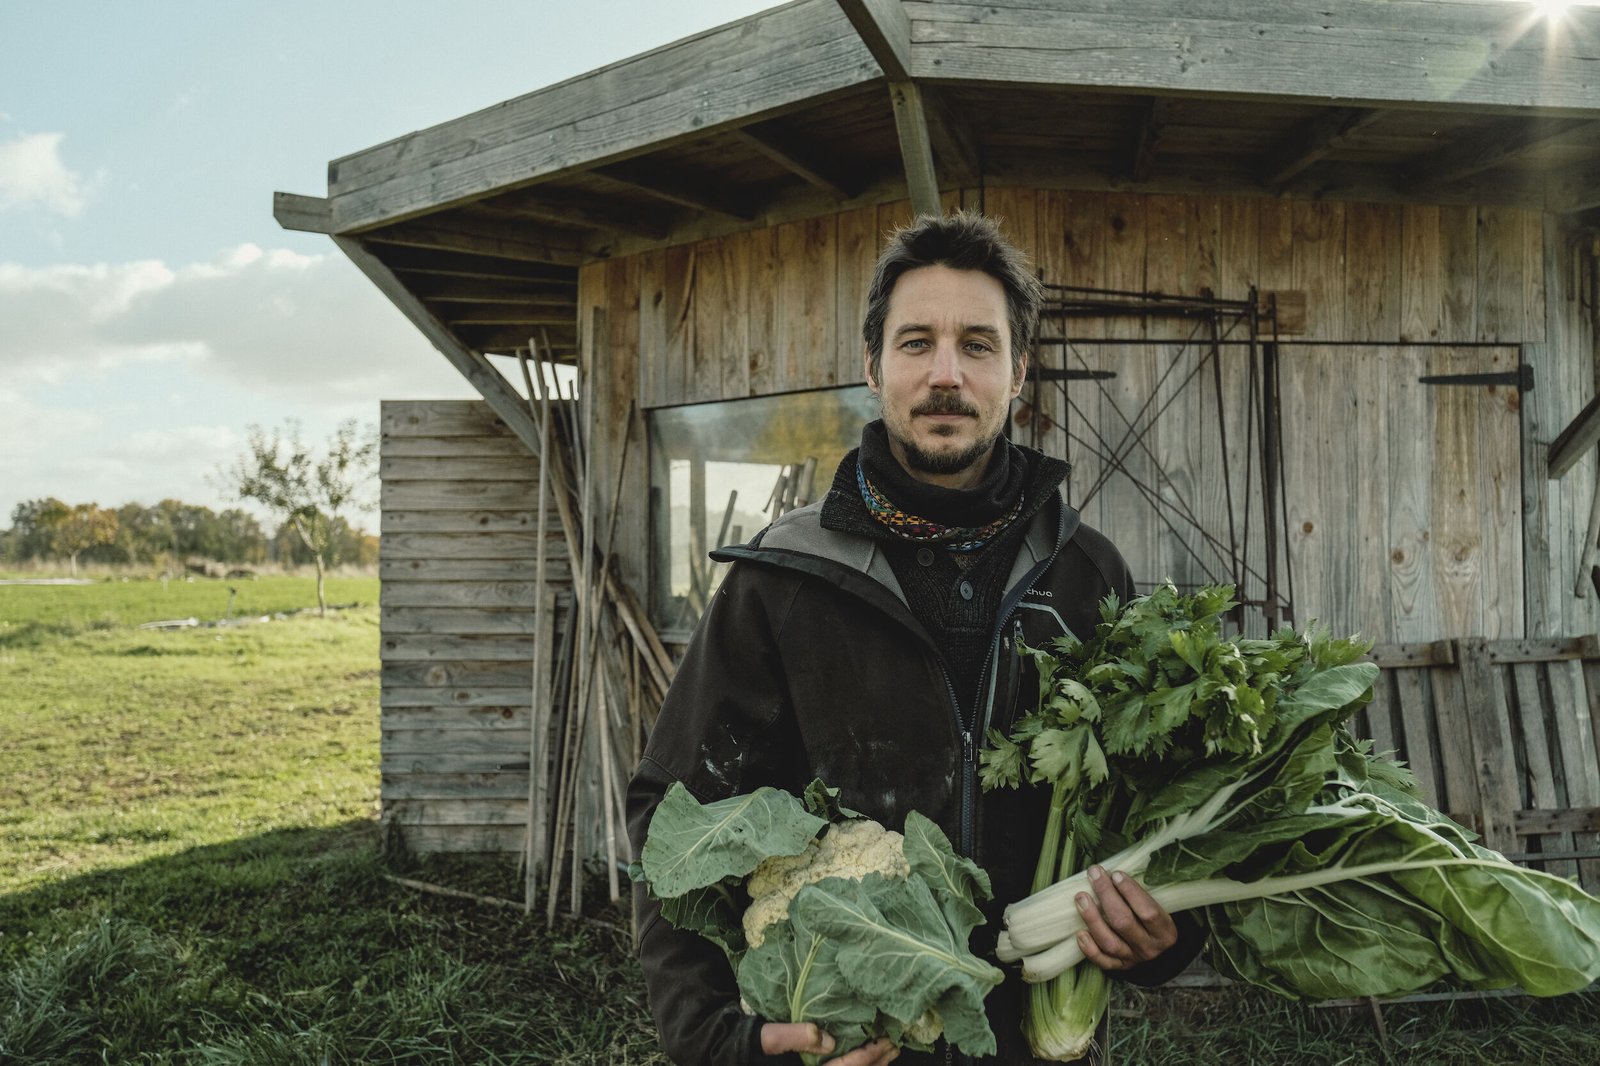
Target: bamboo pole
585, 404
572, 748
598, 651
539, 718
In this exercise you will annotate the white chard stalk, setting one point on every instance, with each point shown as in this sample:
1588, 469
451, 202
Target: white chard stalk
1188, 895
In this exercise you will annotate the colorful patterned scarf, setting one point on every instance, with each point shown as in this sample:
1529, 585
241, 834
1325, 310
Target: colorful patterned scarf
911, 527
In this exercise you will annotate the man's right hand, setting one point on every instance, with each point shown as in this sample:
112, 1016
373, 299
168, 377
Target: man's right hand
806, 1038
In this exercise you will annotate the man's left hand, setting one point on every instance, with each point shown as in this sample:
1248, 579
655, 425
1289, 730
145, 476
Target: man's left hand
1123, 925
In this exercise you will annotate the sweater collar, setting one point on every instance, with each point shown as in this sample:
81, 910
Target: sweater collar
998, 493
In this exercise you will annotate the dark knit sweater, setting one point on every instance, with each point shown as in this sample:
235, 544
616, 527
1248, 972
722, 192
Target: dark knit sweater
956, 595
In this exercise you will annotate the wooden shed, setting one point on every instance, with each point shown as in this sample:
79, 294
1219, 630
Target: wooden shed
1322, 322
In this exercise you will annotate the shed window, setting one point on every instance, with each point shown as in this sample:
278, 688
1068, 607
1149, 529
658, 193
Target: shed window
719, 472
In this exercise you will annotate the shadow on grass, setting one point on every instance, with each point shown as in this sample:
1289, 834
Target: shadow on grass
293, 947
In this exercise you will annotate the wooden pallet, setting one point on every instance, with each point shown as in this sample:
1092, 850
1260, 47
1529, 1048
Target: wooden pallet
1501, 735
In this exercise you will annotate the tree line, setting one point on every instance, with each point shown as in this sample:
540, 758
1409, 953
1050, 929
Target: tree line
169, 533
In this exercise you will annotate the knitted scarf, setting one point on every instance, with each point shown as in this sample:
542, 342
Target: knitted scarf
924, 530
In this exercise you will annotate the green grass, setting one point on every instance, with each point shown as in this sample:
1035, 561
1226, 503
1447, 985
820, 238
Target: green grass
292, 947
190, 875
190, 870
123, 744
1225, 1027
32, 613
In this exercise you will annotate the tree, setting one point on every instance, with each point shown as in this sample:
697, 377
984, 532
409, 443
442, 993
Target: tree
75, 529
29, 537
305, 490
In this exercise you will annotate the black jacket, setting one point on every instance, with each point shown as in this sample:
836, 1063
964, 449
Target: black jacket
809, 664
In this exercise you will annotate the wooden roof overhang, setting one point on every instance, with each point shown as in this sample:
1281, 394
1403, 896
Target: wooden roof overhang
475, 228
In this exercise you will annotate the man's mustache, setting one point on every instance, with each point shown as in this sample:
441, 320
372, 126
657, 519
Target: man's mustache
944, 403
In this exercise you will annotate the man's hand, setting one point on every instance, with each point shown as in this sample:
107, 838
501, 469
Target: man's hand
778, 1037
1124, 926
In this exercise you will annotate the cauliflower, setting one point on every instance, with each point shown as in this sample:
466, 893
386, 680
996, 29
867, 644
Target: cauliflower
918, 913
845, 849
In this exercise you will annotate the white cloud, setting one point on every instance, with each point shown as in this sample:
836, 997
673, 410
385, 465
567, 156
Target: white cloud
137, 380
307, 328
32, 174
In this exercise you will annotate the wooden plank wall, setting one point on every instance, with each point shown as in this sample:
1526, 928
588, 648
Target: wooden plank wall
458, 567
778, 309
1568, 360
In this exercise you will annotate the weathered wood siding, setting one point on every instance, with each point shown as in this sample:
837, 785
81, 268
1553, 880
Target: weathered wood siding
458, 555
1416, 512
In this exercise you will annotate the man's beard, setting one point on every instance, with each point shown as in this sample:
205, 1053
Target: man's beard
926, 462
947, 462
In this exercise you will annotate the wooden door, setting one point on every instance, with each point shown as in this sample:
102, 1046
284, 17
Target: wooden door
1400, 514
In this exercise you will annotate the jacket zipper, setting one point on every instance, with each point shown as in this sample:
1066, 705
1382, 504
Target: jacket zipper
969, 754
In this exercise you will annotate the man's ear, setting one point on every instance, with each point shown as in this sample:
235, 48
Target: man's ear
866, 367
1019, 376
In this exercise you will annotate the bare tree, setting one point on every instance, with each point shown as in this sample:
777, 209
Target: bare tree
303, 488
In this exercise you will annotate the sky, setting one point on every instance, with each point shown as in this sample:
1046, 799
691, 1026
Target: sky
151, 309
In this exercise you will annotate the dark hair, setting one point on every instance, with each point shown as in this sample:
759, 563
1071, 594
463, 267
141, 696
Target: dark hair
961, 241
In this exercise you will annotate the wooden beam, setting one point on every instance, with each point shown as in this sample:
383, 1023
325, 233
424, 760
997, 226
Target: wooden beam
536, 203
955, 149
506, 403
702, 198
1148, 141
1575, 441
507, 315
916, 148
1486, 149
307, 214
409, 261
457, 235
1315, 140
487, 290
761, 66
1469, 55
509, 338
885, 30
791, 159
1575, 191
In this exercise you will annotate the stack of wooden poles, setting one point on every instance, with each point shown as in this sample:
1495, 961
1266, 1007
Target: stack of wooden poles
598, 681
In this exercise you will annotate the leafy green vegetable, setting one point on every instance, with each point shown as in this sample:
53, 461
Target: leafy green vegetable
1232, 785
867, 938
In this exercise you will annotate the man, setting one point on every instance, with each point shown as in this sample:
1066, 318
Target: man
868, 639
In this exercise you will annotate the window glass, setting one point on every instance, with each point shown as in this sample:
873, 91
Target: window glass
719, 472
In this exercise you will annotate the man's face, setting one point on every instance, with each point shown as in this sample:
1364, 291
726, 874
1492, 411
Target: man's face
945, 383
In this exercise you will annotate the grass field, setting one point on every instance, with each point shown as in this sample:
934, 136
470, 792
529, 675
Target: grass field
30, 612
190, 874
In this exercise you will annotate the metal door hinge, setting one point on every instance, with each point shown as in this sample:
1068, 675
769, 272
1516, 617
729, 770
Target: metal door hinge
1521, 377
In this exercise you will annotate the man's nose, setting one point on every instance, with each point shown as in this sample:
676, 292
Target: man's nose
945, 371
